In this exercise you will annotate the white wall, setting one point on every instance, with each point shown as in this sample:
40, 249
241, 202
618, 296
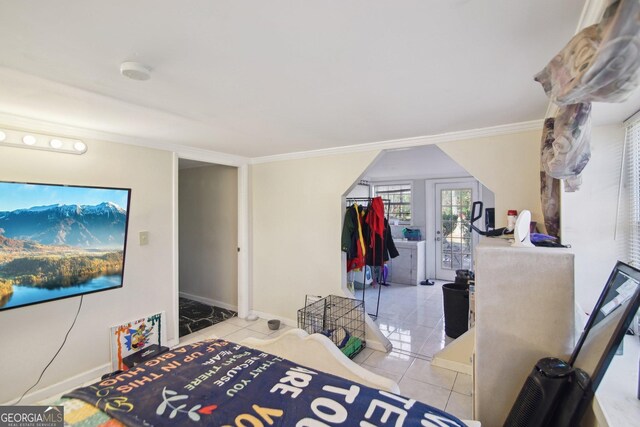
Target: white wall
297, 223
509, 165
29, 336
209, 234
297, 212
589, 216
360, 190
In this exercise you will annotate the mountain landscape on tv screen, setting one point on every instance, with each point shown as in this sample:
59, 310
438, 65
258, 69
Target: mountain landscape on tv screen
99, 226
53, 247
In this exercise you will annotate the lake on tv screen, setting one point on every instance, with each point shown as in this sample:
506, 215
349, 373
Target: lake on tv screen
25, 295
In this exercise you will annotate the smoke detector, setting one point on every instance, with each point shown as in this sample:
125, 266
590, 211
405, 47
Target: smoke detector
135, 71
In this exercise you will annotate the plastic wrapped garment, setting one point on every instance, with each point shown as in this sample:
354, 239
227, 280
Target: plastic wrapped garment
568, 151
601, 62
572, 183
549, 186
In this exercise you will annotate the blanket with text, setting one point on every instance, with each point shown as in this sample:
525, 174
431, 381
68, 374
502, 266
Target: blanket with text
219, 383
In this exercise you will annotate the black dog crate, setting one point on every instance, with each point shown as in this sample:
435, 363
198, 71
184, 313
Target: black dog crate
339, 318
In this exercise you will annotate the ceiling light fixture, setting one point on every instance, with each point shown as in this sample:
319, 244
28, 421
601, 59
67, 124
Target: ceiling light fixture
55, 143
135, 71
80, 147
22, 139
29, 139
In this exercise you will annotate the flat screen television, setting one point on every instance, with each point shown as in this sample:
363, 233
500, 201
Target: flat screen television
60, 241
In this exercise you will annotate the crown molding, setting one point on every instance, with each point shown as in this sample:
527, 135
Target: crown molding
199, 154
533, 125
183, 151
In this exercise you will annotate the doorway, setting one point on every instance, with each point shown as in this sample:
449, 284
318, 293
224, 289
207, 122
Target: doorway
411, 315
207, 244
454, 242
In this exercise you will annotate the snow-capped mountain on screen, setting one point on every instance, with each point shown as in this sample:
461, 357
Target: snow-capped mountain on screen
87, 226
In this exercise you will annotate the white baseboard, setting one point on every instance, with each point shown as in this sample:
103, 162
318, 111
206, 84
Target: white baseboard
209, 301
64, 386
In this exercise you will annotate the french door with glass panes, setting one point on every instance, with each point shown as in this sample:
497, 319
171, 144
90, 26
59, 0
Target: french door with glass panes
454, 242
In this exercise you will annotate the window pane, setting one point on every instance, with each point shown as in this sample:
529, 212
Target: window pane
445, 196
397, 200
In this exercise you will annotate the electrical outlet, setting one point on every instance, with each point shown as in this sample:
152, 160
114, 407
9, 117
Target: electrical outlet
144, 238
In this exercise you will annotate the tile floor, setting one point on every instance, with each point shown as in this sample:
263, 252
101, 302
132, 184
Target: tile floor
412, 319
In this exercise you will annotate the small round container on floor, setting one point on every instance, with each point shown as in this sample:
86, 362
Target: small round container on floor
274, 324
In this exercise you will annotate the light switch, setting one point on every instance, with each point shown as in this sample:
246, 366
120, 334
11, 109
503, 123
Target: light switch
144, 238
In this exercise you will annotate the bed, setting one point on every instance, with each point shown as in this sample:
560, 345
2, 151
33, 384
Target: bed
261, 383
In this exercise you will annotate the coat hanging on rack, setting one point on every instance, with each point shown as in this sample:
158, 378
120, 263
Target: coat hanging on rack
353, 241
366, 235
381, 248
369, 233
375, 216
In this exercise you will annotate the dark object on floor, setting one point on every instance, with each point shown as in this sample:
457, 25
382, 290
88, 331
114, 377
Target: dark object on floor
540, 394
274, 324
195, 315
143, 355
455, 298
427, 283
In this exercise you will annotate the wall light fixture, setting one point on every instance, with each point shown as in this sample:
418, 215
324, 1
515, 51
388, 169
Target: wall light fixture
37, 141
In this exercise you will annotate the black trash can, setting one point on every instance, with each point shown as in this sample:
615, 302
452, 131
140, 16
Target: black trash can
456, 308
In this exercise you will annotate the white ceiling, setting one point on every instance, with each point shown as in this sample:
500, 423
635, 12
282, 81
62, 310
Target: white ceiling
257, 78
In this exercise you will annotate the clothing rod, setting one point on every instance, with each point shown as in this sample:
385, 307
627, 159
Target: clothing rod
364, 199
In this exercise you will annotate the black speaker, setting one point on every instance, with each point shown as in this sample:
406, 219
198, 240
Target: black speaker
540, 394
573, 404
